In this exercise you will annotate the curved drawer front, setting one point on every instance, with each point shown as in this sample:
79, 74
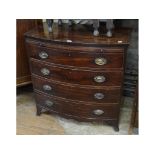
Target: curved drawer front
77, 109
31, 44
76, 76
94, 59
98, 95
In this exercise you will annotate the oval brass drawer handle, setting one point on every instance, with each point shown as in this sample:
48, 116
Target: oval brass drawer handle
98, 112
99, 79
43, 55
47, 87
99, 96
49, 103
45, 71
100, 61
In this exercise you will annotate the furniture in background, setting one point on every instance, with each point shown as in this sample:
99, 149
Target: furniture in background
23, 75
134, 117
94, 22
77, 75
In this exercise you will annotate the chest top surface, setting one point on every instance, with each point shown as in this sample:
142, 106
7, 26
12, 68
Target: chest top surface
80, 35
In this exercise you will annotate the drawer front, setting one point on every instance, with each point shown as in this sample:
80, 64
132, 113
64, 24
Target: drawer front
78, 59
98, 95
77, 109
76, 76
31, 44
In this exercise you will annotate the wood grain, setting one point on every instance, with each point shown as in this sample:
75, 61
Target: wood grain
77, 76
79, 57
23, 72
79, 111
63, 33
85, 94
70, 61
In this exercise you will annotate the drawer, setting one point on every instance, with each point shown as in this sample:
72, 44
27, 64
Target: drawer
93, 59
88, 94
31, 45
76, 109
77, 76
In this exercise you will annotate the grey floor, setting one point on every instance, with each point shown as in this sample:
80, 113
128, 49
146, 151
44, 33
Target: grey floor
30, 124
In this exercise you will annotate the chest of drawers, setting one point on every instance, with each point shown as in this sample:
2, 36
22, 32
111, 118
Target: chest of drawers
77, 75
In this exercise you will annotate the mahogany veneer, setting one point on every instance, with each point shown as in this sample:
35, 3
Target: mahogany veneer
77, 75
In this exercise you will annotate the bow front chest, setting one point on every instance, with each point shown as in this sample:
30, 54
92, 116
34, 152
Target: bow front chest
77, 75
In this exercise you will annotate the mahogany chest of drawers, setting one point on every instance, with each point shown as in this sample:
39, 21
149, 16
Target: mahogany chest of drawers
77, 75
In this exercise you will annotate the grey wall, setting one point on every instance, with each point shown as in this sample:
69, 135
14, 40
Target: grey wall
131, 72
132, 53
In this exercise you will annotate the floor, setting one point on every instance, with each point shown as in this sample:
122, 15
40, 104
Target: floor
30, 124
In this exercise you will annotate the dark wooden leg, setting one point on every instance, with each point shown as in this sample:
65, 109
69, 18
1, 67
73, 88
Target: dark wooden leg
113, 123
38, 113
116, 128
